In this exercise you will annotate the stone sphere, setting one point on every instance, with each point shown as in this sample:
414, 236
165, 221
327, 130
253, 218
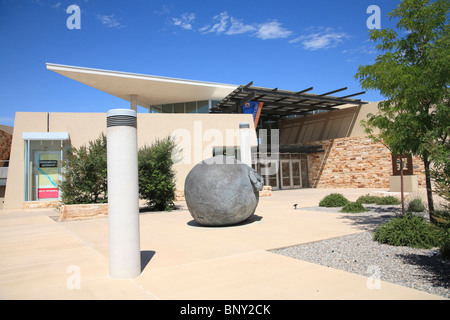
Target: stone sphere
222, 191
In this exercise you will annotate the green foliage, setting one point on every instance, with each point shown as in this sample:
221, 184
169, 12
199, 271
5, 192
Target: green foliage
85, 174
413, 73
389, 200
367, 199
408, 230
156, 176
354, 207
416, 205
333, 200
444, 246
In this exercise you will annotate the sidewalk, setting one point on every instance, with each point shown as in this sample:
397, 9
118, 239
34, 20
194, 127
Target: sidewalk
43, 259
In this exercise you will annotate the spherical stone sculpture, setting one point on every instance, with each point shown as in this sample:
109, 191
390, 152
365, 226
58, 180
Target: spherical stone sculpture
222, 191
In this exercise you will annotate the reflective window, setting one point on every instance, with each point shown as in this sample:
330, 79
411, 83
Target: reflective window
191, 107
178, 108
167, 108
156, 109
203, 106
43, 169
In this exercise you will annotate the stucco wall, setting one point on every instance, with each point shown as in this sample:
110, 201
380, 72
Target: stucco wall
196, 135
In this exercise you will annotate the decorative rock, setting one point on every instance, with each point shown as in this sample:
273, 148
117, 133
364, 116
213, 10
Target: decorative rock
222, 191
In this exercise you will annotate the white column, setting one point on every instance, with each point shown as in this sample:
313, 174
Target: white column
245, 148
123, 194
133, 102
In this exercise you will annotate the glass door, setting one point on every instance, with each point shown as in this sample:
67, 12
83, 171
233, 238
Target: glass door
285, 174
46, 175
296, 174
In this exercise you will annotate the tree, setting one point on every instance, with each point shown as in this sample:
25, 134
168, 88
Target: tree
85, 174
413, 73
156, 175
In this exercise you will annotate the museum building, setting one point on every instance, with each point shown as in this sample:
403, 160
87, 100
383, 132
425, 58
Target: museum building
299, 139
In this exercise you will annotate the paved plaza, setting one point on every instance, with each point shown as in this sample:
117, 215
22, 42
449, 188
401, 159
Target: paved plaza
43, 259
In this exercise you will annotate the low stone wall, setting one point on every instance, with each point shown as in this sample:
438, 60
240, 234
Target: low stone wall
354, 162
82, 211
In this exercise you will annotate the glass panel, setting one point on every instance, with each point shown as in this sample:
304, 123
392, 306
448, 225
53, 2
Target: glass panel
296, 173
178, 107
191, 107
156, 109
304, 171
167, 108
203, 106
273, 181
285, 174
44, 170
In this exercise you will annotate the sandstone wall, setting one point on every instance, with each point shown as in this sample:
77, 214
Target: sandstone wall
354, 162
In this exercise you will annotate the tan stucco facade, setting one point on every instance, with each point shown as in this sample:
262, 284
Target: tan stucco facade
196, 134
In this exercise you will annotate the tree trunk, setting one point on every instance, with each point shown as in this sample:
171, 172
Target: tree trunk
429, 191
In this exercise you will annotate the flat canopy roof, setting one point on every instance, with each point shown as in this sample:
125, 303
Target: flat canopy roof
282, 102
149, 90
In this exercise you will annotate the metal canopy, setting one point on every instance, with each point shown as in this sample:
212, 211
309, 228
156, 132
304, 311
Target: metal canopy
282, 102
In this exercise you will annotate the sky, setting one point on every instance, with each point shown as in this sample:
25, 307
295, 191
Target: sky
288, 44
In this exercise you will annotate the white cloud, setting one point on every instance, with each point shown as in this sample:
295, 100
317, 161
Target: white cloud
323, 38
184, 21
224, 23
109, 21
57, 5
272, 30
238, 27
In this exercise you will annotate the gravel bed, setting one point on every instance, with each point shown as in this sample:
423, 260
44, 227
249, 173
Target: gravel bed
421, 269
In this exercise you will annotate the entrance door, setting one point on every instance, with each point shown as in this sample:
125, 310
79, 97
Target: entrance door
46, 175
285, 174
296, 181
290, 174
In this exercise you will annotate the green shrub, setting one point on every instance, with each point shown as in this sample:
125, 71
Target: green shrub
387, 200
333, 200
367, 199
156, 175
85, 175
416, 205
354, 207
408, 230
444, 246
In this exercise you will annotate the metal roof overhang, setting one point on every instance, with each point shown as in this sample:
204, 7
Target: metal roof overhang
282, 102
149, 90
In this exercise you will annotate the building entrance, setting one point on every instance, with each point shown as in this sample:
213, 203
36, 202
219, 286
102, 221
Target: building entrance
289, 172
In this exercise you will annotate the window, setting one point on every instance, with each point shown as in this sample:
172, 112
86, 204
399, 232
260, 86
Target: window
203, 106
191, 107
178, 108
43, 164
167, 108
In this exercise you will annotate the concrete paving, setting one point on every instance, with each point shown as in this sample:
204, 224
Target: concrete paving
43, 259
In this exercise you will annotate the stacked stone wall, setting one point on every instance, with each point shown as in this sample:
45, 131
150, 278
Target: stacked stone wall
354, 162
5, 147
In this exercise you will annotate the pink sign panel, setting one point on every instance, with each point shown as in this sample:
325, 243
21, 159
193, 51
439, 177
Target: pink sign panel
45, 193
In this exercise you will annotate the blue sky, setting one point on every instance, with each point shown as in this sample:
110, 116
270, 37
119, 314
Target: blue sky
291, 45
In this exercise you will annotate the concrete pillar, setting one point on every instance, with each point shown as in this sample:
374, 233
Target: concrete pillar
133, 102
123, 194
245, 148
